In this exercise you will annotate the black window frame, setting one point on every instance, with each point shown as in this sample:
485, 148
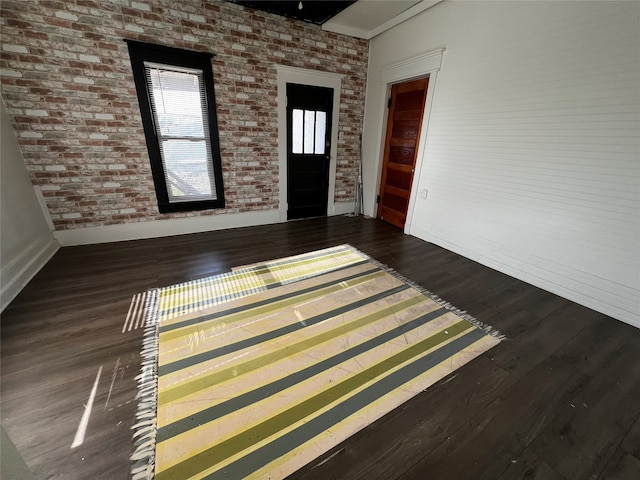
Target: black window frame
140, 53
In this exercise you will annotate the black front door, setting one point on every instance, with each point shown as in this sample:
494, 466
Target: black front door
309, 112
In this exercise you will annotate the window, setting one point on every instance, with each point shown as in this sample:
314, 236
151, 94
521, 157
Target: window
308, 131
177, 104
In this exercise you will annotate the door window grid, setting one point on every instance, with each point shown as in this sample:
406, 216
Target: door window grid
309, 129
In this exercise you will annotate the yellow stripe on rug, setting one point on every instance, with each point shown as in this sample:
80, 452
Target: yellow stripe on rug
258, 386
195, 295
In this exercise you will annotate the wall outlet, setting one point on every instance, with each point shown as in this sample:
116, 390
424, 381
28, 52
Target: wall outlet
423, 193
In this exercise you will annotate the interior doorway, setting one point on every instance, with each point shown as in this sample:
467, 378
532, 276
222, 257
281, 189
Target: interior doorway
404, 124
309, 119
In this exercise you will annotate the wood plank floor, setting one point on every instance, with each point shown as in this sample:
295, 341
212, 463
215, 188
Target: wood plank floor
559, 400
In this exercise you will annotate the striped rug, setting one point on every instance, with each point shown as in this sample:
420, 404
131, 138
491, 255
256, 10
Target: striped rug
241, 281
255, 373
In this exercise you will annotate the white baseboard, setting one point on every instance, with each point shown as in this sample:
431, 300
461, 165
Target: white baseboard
19, 271
164, 228
342, 208
596, 293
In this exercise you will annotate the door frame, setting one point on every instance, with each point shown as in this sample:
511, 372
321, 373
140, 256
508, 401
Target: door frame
318, 79
425, 65
386, 154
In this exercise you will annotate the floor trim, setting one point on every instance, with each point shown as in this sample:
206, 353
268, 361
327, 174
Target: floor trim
18, 272
176, 226
164, 228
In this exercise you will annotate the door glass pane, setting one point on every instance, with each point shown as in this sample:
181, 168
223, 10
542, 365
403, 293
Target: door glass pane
296, 131
321, 128
186, 170
177, 103
309, 123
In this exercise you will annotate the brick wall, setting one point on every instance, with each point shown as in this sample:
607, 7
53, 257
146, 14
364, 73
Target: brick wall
68, 87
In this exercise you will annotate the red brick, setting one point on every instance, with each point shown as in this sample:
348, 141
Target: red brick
66, 139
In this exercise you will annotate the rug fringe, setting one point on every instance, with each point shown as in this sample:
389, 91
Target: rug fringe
144, 436
488, 329
145, 428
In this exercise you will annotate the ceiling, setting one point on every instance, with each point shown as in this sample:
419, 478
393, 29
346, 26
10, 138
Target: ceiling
361, 18
307, 11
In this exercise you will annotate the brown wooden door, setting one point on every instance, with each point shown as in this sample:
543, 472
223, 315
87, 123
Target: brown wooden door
401, 147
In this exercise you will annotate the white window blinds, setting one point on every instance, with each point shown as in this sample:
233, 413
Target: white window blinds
179, 105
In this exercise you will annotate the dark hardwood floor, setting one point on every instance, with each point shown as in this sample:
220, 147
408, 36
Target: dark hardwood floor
560, 399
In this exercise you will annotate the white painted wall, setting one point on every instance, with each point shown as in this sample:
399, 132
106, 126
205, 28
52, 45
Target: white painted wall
26, 239
532, 161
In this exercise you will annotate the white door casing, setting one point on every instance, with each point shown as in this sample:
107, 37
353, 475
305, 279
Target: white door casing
427, 64
306, 77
